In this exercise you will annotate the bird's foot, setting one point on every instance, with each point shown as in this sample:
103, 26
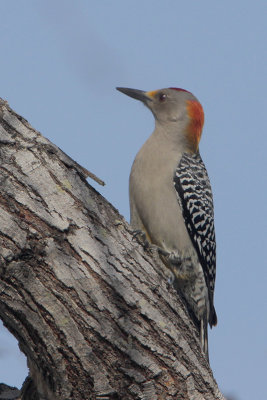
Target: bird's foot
141, 238
174, 261
172, 258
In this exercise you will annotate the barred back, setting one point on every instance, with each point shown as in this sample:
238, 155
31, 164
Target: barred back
194, 195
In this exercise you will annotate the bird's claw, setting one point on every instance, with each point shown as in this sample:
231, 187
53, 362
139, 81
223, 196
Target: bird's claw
141, 238
172, 258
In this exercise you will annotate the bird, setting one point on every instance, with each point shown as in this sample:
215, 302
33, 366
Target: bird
171, 201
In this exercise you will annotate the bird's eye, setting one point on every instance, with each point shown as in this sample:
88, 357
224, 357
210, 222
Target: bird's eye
162, 97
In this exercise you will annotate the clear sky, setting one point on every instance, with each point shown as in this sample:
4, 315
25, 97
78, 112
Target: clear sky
60, 63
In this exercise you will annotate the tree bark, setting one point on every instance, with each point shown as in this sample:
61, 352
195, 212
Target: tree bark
92, 311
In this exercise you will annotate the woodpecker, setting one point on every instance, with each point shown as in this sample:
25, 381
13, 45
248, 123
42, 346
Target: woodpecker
171, 199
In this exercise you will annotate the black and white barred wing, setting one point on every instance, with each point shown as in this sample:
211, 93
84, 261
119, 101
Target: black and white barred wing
194, 194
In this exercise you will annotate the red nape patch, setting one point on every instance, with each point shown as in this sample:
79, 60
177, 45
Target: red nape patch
196, 114
179, 89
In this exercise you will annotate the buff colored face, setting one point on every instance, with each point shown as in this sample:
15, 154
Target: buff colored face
174, 104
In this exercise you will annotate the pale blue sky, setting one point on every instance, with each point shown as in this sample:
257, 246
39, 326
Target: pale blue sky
60, 64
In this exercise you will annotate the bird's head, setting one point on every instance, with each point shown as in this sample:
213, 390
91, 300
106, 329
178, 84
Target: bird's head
175, 110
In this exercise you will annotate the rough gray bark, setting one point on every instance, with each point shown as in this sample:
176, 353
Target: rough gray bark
9, 393
92, 311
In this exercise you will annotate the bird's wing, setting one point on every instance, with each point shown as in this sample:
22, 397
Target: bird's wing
194, 194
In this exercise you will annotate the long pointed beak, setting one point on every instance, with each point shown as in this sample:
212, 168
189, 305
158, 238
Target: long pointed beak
135, 94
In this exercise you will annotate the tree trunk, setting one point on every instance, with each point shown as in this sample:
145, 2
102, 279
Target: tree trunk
92, 311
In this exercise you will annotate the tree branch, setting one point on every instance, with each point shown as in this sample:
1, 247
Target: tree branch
92, 311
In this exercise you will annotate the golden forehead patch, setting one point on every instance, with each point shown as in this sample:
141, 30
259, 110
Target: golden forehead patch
152, 93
